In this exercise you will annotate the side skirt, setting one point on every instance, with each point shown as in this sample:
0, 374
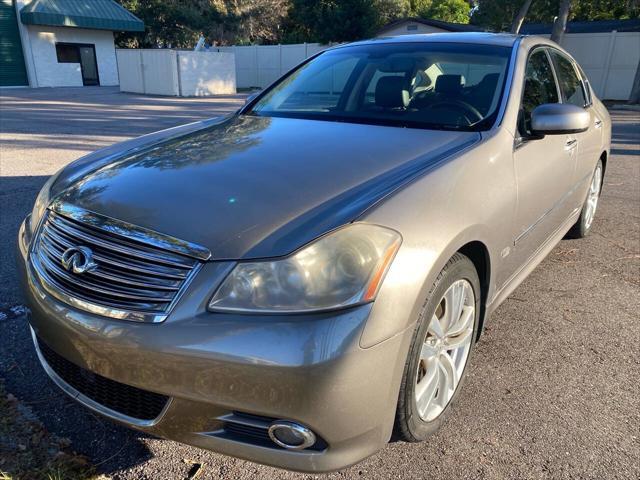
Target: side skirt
540, 254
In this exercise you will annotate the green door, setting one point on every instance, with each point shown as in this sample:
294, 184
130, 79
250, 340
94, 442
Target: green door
12, 69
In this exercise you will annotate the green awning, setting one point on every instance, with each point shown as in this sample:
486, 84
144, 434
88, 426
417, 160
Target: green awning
94, 14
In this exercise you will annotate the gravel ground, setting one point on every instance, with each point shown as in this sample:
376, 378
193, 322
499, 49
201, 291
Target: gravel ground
553, 390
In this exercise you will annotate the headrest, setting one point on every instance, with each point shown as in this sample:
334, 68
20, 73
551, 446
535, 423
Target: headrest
392, 92
489, 80
449, 84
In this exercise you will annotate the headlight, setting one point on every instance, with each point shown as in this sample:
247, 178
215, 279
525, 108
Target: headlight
341, 269
41, 204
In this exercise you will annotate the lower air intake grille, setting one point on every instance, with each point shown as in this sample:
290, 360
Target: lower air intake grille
124, 399
254, 429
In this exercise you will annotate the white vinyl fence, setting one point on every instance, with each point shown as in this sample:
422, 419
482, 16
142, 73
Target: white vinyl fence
260, 65
176, 73
609, 60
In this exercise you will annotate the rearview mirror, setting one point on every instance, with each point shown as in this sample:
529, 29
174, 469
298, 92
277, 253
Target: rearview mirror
559, 118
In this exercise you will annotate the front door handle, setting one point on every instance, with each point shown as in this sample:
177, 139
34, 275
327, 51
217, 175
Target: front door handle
598, 123
571, 144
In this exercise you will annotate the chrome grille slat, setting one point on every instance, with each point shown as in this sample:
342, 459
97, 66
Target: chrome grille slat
132, 280
59, 272
55, 253
109, 304
69, 228
181, 275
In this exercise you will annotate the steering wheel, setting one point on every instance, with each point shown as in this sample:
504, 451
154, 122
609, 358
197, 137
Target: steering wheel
468, 111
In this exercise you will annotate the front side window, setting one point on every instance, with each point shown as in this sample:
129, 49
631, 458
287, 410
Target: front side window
418, 85
570, 84
539, 88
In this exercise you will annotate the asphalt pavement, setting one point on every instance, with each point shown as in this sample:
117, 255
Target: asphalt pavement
553, 391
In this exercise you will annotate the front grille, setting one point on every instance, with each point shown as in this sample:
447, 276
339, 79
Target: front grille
133, 280
124, 399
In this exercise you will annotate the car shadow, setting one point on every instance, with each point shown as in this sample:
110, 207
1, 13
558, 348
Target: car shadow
111, 447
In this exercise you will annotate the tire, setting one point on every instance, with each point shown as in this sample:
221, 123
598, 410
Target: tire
410, 424
583, 226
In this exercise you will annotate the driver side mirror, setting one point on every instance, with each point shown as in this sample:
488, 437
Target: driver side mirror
559, 118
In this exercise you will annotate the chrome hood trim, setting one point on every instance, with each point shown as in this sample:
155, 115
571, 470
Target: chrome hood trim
133, 232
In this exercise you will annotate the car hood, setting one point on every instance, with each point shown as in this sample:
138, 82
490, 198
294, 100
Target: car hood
251, 187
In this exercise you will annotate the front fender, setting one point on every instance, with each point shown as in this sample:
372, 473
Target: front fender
470, 198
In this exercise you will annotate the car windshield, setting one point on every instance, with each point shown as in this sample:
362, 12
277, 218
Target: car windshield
446, 86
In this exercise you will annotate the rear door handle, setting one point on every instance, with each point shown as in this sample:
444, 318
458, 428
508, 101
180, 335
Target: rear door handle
598, 123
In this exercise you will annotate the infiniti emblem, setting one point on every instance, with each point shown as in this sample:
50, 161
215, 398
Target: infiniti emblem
78, 260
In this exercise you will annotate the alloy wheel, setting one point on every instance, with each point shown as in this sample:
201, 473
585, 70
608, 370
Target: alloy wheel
445, 350
593, 197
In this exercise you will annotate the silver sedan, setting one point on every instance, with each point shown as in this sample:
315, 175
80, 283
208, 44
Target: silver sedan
295, 282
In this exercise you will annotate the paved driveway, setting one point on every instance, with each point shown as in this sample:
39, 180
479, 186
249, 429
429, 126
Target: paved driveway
553, 390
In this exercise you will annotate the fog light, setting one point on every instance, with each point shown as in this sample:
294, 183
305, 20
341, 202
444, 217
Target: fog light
291, 435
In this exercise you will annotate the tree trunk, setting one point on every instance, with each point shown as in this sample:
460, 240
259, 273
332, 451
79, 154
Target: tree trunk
519, 18
634, 98
560, 24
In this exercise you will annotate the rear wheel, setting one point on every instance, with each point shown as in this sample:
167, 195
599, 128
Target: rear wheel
583, 225
441, 348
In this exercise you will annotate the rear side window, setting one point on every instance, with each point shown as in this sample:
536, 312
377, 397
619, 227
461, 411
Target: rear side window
539, 88
570, 84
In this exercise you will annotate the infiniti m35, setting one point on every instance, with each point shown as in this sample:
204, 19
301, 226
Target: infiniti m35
298, 282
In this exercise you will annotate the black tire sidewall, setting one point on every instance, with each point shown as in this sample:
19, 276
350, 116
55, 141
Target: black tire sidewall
413, 427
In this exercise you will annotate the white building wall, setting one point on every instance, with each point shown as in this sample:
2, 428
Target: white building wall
49, 73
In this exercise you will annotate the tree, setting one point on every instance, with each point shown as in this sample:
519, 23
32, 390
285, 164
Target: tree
560, 24
421, 8
499, 14
331, 20
455, 11
390, 10
519, 18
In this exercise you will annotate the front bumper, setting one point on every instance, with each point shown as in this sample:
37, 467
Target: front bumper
305, 368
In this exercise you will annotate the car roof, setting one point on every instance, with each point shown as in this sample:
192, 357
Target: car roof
479, 38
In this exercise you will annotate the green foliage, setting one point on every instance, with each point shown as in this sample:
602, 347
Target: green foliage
390, 10
498, 14
456, 11
421, 8
331, 20
170, 23
604, 9
179, 23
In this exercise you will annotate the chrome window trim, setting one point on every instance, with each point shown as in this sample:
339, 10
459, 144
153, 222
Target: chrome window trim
86, 401
130, 231
506, 94
576, 70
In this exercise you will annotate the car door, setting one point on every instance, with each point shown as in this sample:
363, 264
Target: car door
588, 147
544, 167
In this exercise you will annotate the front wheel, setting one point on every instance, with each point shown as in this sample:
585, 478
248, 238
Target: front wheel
583, 226
441, 348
